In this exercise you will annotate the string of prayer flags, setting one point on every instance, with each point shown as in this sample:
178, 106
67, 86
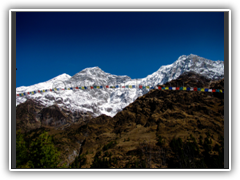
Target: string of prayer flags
127, 86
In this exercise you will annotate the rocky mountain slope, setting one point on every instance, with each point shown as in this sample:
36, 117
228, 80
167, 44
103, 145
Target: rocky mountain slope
161, 129
111, 101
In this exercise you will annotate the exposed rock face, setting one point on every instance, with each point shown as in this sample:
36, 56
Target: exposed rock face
31, 115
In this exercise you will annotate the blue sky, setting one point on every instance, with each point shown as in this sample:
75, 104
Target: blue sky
122, 43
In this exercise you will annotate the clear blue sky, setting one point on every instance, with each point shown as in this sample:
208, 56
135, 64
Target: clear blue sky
122, 43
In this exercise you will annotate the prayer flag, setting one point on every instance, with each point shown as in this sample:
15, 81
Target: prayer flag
206, 90
188, 88
184, 88
177, 88
159, 87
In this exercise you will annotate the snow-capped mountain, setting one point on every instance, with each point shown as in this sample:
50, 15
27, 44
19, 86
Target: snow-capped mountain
110, 101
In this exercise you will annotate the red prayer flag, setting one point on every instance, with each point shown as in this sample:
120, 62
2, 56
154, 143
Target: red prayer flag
107, 86
63, 89
177, 88
91, 87
50, 89
159, 87
76, 87
214, 90
140, 87
123, 87
39, 91
17, 94
195, 89
28, 92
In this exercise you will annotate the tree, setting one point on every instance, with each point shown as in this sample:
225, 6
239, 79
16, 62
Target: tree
21, 150
43, 154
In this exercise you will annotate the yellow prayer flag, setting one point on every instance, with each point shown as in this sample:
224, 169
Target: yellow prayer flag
130, 86
202, 89
184, 88
147, 87
166, 88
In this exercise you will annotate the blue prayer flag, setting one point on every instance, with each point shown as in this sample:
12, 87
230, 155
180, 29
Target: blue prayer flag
188, 88
170, 88
206, 90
